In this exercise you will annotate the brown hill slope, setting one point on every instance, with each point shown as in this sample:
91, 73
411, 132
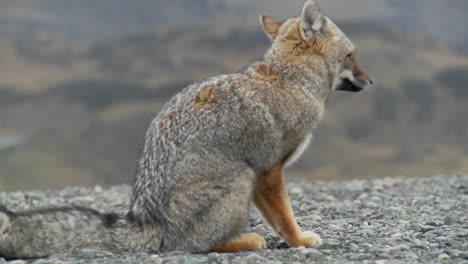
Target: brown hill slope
76, 113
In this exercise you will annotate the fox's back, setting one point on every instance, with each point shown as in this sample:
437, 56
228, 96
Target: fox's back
238, 113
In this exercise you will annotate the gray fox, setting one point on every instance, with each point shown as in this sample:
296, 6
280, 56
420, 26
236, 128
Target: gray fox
216, 148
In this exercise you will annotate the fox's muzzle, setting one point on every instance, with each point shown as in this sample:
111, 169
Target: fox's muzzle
355, 80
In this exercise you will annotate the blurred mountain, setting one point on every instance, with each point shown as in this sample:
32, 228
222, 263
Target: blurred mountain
91, 19
75, 104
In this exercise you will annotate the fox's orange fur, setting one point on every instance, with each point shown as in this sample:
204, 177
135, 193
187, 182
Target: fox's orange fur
266, 73
271, 199
246, 241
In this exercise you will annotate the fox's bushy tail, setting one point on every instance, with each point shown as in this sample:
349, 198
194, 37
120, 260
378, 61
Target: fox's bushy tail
42, 232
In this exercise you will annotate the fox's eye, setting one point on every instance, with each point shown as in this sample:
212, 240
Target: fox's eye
348, 62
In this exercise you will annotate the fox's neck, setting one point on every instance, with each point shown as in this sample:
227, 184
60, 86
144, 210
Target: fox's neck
317, 80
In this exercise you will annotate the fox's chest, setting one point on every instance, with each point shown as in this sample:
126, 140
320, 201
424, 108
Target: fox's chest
299, 133
297, 152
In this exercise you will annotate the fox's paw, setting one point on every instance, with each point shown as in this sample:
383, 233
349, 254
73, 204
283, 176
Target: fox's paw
257, 241
245, 241
5, 225
311, 239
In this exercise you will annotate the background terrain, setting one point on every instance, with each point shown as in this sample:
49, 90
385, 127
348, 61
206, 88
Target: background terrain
81, 80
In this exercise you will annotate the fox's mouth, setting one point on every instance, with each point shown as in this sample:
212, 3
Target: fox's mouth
347, 85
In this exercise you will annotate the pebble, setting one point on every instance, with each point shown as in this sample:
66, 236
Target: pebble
311, 252
396, 235
465, 246
353, 247
425, 228
296, 191
83, 200
17, 262
464, 254
443, 256
397, 248
442, 239
360, 256
254, 258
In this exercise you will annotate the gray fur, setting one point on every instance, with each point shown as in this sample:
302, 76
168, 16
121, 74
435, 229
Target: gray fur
201, 156
313, 19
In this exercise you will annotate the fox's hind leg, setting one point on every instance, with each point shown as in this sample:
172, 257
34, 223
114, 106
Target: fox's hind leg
245, 241
209, 209
271, 199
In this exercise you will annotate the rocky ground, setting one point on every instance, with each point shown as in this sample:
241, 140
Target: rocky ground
421, 220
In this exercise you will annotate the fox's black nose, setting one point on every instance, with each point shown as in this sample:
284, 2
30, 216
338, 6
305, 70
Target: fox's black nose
371, 81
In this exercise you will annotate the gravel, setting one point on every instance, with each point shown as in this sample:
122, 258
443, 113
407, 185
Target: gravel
421, 220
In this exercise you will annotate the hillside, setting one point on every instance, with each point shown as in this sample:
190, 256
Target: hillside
81, 118
95, 20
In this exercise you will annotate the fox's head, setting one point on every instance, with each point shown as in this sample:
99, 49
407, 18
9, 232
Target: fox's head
313, 42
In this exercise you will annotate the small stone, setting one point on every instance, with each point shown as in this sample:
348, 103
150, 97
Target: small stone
366, 225
255, 222
17, 262
213, 256
433, 224
330, 243
194, 260
443, 256
335, 227
452, 252
296, 192
97, 188
376, 199
465, 246
371, 205
156, 259
397, 248
311, 252
441, 239
83, 200
425, 228
353, 247
432, 234
89, 253
464, 254
301, 248
38, 261
254, 258
366, 245
360, 256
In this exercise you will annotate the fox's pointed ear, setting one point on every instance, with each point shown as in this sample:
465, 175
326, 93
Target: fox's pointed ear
312, 19
270, 26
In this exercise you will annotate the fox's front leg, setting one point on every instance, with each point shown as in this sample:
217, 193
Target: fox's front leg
271, 199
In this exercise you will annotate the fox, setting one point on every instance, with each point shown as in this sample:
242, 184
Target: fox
214, 151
